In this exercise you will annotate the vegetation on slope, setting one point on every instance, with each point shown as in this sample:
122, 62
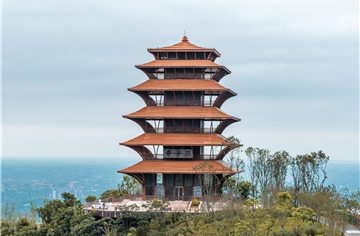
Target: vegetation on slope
264, 205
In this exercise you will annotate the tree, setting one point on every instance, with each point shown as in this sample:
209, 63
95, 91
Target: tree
260, 166
128, 185
243, 188
279, 165
303, 213
352, 203
309, 172
90, 198
283, 205
208, 180
60, 217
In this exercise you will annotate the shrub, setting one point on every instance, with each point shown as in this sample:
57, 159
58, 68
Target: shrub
195, 202
310, 231
155, 201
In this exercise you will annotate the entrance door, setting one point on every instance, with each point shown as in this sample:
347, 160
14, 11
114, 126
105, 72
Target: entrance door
178, 193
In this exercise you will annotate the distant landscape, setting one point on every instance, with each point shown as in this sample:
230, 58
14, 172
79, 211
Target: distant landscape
24, 181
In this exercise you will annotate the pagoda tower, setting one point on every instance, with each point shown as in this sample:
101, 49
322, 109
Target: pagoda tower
182, 123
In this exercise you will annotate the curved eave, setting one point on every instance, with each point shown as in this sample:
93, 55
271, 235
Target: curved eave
180, 85
223, 97
178, 49
178, 167
179, 112
177, 139
180, 64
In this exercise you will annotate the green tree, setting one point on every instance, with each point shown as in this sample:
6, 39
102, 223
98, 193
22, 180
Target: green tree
260, 166
283, 205
352, 203
243, 188
309, 172
128, 185
59, 217
303, 213
90, 198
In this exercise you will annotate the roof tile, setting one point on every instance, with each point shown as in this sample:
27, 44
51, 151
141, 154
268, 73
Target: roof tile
181, 167
179, 85
177, 139
184, 112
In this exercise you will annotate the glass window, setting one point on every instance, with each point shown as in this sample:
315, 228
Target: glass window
149, 180
181, 55
197, 180
159, 179
190, 55
169, 193
149, 190
188, 180
187, 193
200, 56
178, 180
172, 55
168, 180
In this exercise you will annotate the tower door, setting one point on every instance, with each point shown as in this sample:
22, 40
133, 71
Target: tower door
178, 193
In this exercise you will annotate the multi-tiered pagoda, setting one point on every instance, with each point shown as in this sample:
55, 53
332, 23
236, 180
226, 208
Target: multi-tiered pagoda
182, 121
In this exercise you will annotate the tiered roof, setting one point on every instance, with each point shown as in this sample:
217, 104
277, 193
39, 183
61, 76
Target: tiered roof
184, 46
157, 85
179, 112
179, 63
177, 139
179, 85
177, 167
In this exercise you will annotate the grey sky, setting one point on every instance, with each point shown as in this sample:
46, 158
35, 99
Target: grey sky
67, 65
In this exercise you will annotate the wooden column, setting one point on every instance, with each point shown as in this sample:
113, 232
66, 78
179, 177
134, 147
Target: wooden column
183, 185
154, 177
143, 186
173, 186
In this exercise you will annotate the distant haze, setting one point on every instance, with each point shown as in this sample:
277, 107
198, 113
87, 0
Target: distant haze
66, 67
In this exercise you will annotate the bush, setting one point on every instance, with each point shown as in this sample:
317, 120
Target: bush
310, 231
155, 201
195, 202
283, 233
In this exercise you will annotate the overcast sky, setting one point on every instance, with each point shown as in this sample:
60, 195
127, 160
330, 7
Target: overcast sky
66, 67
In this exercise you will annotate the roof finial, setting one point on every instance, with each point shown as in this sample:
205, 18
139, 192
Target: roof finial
185, 39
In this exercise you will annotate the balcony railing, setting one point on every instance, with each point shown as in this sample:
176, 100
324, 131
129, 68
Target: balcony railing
185, 103
196, 156
185, 130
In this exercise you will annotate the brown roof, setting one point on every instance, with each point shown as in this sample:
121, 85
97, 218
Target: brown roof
184, 45
180, 63
184, 112
178, 139
181, 167
179, 85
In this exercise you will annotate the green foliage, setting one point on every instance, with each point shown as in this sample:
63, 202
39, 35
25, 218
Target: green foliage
268, 214
352, 203
128, 185
303, 213
90, 198
283, 205
111, 193
195, 202
240, 188
243, 188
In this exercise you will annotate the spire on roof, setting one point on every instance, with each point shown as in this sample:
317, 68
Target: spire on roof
185, 39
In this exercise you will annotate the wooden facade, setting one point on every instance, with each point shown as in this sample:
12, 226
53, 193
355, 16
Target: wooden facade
182, 123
